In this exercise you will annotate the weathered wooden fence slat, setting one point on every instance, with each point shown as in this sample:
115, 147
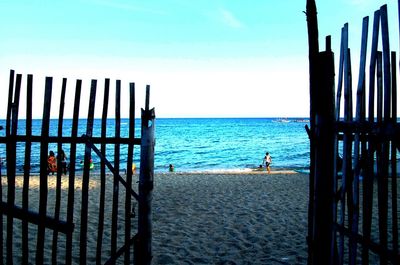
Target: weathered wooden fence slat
360, 115
85, 177
59, 170
114, 214
130, 168
368, 181
27, 162
372, 67
313, 49
393, 159
324, 124
146, 179
11, 154
43, 185
381, 178
7, 133
103, 147
383, 203
71, 179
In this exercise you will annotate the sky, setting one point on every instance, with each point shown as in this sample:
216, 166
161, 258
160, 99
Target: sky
204, 58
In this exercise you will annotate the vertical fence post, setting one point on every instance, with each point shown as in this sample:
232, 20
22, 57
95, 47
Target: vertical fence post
59, 170
8, 133
129, 173
143, 252
312, 26
71, 179
324, 157
115, 194
102, 197
11, 168
27, 162
44, 148
86, 176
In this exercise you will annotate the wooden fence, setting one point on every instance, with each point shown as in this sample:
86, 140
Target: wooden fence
354, 202
69, 221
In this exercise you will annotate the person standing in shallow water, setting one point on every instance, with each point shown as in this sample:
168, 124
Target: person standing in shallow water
267, 161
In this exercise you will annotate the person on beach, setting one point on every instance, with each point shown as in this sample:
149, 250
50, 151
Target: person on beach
267, 161
51, 163
171, 168
63, 159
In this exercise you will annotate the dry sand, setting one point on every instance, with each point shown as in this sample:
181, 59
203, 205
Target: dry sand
215, 218
230, 219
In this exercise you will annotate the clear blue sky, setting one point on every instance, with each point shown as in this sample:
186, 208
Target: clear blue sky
202, 58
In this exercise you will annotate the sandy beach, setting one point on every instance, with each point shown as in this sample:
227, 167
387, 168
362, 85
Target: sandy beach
200, 218
230, 219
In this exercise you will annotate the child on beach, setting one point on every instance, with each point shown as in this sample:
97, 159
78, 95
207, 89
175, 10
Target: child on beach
267, 161
63, 159
51, 163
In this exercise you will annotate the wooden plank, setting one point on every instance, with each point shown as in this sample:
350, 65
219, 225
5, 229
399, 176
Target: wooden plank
360, 103
347, 170
143, 247
71, 179
122, 250
11, 167
43, 171
27, 162
346, 67
7, 133
10, 101
381, 177
336, 139
114, 217
343, 48
343, 51
85, 177
386, 62
111, 168
100, 229
128, 204
313, 50
34, 218
383, 189
59, 169
368, 187
393, 159
324, 158
372, 67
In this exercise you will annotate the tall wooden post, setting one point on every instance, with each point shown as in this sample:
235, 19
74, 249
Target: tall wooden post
143, 251
324, 160
312, 25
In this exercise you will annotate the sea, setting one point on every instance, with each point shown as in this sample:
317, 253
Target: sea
192, 144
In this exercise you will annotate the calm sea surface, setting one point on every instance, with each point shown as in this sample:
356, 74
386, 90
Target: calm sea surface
198, 144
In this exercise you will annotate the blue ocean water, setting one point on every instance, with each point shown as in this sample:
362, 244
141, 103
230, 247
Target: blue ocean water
195, 144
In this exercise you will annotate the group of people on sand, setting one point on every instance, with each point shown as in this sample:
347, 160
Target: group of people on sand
52, 162
62, 157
